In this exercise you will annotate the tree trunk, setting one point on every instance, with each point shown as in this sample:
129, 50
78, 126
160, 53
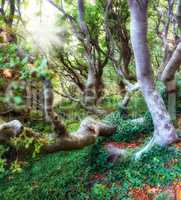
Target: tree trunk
171, 92
164, 133
50, 115
178, 13
173, 65
168, 75
94, 84
94, 87
87, 133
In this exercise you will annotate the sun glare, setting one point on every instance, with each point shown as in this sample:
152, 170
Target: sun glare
40, 25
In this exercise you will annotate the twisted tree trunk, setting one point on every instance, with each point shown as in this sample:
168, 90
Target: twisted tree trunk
94, 84
173, 65
168, 75
164, 133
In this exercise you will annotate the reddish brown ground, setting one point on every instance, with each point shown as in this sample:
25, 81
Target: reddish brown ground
123, 145
149, 193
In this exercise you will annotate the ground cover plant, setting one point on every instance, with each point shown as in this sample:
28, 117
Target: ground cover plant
90, 100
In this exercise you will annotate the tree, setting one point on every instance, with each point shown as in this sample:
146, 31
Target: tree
96, 56
164, 131
172, 65
7, 10
118, 33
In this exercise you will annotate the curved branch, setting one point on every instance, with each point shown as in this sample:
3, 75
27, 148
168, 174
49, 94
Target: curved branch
173, 65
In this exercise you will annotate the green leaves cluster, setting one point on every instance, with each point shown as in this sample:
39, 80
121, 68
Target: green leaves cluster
127, 129
9, 58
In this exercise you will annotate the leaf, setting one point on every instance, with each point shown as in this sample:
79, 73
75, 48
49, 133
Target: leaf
18, 100
43, 64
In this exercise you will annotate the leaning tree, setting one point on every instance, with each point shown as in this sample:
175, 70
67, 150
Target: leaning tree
164, 131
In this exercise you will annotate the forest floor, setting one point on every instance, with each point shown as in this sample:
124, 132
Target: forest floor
89, 174
73, 175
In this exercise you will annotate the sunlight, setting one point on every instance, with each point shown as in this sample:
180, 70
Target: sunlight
41, 28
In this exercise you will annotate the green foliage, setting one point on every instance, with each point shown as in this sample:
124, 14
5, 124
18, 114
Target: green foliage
39, 126
126, 129
67, 175
9, 58
137, 101
67, 110
110, 101
101, 163
164, 196
15, 167
94, 12
29, 143
99, 191
155, 169
3, 150
58, 176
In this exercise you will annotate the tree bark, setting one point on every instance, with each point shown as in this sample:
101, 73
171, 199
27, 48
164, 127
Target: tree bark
10, 130
173, 65
50, 115
94, 84
164, 133
171, 92
178, 13
168, 75
86, 135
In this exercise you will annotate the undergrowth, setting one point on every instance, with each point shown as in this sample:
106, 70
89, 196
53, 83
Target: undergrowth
69, 176
87, 174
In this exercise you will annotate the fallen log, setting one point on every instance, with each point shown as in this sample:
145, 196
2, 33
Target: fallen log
9, 130
86, 135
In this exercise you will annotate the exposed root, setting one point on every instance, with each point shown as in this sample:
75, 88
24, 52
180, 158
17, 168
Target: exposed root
137, 156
